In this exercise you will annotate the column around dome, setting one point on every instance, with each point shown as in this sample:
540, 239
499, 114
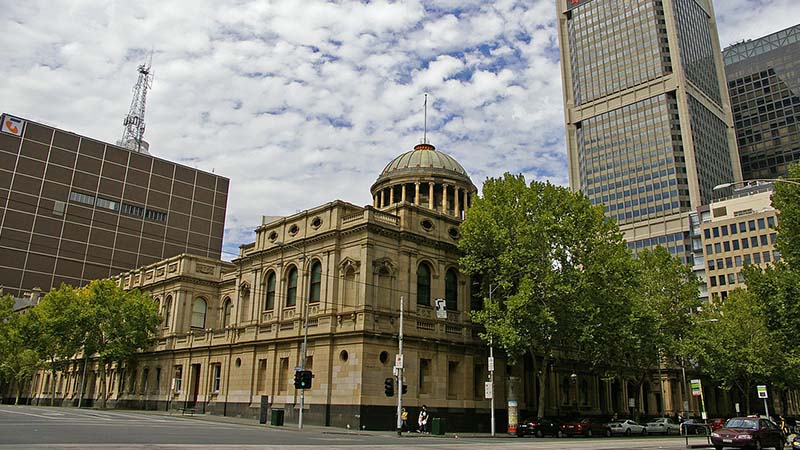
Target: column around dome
430, 195
457, 205
416, 194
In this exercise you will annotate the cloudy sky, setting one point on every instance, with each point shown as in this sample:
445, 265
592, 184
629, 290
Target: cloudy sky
301, 102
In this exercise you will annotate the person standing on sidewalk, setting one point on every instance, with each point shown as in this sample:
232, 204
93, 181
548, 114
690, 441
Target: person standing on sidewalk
404, 419
422, 422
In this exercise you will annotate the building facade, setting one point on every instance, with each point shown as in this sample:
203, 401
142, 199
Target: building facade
74, 209
764, 83
649, 128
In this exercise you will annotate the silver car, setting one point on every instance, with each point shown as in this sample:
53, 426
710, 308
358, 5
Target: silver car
663, 425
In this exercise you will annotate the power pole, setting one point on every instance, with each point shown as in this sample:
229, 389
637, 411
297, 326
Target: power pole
398, 367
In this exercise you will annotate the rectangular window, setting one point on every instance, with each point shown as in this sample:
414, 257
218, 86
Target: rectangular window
731, 278
737, 260
742, 227
751, 224
716, 232
747, 259
733, 228
480, 379
767, 256
728, 262
764, 239
735, 243
155, 216
771, 221
59, 207
424, 376
158, 379
761, 223
453, 382
711, 264
772, 238
754, 241
757, 258
727, 246
776, 255
216, 376
145, 379
107, 204
283, 376
724, 230
133, 382
713, 281
81, 198
722, 280
745, 243
178, 380
707, 233
717, 247
709, 249
131, 210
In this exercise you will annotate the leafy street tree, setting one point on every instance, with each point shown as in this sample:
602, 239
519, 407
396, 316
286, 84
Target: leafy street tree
56, 324
665, 294
786, 199
121, 324
18, 361
731, 343
560, 267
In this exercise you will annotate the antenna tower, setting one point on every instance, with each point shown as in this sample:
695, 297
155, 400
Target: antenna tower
133, 133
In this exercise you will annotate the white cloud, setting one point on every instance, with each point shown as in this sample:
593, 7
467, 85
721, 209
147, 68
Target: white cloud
301, 103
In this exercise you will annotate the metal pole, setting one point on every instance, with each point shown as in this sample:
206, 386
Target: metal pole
766, 408
399, 371
83, 377
661, 385
491, 363
305, 356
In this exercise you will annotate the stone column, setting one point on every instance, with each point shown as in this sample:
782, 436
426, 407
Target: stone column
457, 194
403, 194
391, 195
430, 195
416, 193
381, 202
444, 198
374, 201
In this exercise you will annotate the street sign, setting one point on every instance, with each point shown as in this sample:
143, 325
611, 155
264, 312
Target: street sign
398, 361
487, 388
632, 402
441, 308
491, 365
762, 391
696, 388
297, 368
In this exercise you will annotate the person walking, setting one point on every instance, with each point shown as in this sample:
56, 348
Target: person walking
422, 421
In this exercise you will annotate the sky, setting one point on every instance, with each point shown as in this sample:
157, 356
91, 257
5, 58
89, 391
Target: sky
302, 102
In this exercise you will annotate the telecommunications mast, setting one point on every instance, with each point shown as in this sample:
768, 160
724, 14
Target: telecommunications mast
133, 133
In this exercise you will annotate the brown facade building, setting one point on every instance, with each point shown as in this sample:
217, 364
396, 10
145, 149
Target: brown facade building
74, 209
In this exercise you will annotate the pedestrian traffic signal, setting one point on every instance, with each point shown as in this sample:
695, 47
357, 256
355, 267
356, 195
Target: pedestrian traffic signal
302, 379
405, 389
388, 387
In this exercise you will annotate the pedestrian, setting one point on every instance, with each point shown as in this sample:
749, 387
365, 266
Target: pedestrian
615, 417
422, 421
404, 418
783, 426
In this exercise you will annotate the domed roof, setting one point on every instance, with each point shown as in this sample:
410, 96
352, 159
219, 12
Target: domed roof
424, 157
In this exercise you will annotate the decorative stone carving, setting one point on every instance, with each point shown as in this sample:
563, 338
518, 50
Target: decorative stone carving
173, 268
347, 263
383, 266
160, 272
149, 275
205, 269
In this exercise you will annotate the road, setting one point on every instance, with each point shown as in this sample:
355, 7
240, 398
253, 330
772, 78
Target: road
59, 428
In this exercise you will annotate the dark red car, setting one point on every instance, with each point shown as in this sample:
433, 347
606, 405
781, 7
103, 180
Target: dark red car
586, 427
748, 432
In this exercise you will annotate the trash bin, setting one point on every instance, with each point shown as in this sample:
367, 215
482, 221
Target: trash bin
277, 418
437, 426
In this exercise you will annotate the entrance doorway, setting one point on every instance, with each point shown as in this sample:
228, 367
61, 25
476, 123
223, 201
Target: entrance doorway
194, 387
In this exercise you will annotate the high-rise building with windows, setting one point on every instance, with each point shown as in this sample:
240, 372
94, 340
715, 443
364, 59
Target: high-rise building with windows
74, 209
764, 85
649, 128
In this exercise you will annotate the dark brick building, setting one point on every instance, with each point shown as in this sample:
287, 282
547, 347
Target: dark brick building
74, 209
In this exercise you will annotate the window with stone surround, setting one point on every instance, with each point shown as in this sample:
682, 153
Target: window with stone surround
424, 376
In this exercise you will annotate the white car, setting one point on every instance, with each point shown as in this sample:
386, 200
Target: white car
627, 427
663, 425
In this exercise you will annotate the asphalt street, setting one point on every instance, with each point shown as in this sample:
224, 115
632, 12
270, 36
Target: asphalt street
26, 427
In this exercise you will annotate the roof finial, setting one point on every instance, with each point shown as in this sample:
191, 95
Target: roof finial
425, 125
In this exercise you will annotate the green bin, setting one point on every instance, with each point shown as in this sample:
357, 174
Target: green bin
277, 418
438, 426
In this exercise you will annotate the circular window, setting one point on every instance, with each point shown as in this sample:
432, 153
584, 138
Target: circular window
294, 229
273, 236
427, 225
316, 222
453, 232
384, 357
238, 362
343, 355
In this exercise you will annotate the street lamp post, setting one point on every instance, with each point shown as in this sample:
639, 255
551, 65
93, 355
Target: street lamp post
304, 349
491, 360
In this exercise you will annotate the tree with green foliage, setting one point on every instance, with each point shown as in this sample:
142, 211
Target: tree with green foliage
732, 344
58, 329
559, 270
121, 323
786, 199
19, 361
662, 302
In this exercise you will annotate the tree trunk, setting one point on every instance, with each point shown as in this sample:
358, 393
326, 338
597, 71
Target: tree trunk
19, 389
53, 384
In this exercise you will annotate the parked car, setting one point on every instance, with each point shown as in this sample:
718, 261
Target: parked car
663, 425
539, 427
627, 427
748, 432
716, 424
694, 426
586, 427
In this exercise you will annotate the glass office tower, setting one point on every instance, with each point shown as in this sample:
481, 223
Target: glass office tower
764, 85
649, 129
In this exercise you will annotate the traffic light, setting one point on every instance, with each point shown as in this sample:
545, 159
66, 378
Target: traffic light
405, 389
388, 387
306, 377
302, 379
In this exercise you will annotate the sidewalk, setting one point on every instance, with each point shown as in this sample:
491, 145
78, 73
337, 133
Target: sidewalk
323, 429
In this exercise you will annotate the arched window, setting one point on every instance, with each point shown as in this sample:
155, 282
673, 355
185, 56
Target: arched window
269, 301
291, 287
158, 305
199, 313
167, 310
316, 282
226, 312
451, 290
423, 284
